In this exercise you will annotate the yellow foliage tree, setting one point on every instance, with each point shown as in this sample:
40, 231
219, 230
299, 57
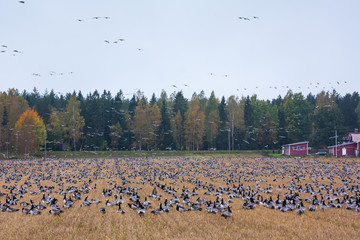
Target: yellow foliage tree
29, 130
73, 122
194, 125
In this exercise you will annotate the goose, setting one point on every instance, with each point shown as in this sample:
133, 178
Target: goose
55, 211
195, 207
211, 208
323, 205
11, 209
158, 211
24, 204
120, 210
141, 210
102, 210
147, 204
40, 206
227, 214
34, 211
312, 207
110, 204
25, 210
119, 200
284, 208
86, 202
180, 208
96, 201
301, 209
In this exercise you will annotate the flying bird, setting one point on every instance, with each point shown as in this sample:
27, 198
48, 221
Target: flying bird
23, 2
107, 41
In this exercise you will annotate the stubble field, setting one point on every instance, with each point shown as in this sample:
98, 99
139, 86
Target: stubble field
186, 179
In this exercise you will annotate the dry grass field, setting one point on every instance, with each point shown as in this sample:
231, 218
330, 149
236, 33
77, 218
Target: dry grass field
253, 175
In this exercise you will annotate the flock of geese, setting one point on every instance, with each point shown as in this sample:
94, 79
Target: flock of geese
182, 184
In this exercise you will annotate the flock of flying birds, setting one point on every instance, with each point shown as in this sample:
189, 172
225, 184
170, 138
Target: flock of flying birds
15, 52
163, 185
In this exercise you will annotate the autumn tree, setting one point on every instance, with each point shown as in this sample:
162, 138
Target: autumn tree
30, 129
55, 133
141, 124
194, 124
73, 122
235, 115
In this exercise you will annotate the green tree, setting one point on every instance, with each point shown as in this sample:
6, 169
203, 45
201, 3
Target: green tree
222, 138
115, 135
327, 119
298, 117
165, 132
212, 120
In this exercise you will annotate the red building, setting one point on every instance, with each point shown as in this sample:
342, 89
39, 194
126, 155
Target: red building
350, 147
296, 149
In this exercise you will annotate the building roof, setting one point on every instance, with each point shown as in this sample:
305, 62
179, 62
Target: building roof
355, 137
343, 144
297, 143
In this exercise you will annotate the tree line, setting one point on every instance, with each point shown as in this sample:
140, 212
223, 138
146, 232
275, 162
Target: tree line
170, 122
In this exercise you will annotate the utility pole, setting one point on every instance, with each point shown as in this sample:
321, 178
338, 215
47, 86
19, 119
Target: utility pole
336, 136
229, 141
336, 142
45, 142
74, 127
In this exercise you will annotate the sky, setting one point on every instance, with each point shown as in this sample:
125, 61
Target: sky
187, 45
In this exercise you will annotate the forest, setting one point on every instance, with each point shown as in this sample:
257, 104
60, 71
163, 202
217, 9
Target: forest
31, 121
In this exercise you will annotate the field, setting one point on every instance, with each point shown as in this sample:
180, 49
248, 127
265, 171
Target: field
251, 177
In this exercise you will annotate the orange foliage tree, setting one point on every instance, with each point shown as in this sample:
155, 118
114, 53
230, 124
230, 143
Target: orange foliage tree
30, 133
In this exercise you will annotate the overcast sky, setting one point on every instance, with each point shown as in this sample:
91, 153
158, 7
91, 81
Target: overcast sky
311, 44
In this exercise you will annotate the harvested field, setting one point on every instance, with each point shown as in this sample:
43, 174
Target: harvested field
244, 180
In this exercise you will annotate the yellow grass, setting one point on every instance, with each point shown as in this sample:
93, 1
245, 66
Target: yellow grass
260, 223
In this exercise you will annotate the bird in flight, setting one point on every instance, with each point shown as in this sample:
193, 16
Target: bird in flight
23, 2
174, 86
107, 41
80, 20
244, 18
255, 17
